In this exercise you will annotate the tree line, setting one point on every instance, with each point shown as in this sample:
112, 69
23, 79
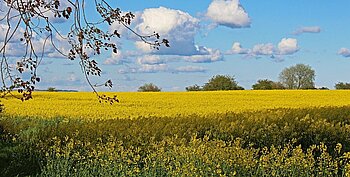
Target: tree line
297, 77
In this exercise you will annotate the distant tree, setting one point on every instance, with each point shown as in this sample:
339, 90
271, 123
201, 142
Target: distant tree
239, 88
221, 82
299, 76
263, 84
149, 87
194, 88
342, 86
51, 89
323, 88
277, 86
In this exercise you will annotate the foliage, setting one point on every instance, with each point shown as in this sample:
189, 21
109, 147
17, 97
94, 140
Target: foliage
149, 87
194, 88
323, 88
299, 76
32, 21
278, 86
265, 84
221, 82
342, 86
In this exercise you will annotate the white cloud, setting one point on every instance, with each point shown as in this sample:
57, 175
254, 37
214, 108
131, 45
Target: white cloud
150, 59
147, 68
167, 21
178, 27
345, 52
237, 49
263, 49
121, 57
229, 13
206, 55
115, 59
307, 29
188, 69
288, 46
127, 70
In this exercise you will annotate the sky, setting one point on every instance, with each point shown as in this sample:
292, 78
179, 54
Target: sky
247, 39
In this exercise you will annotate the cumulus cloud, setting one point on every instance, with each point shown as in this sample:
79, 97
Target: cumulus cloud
115, 59
180, 29
150, 59
176, 26
237, 49
127, 70
345, 52
190, 69
228, 13
121, 57
147, 68
263, 49
288, 46
307, 29
167, 22
205, 55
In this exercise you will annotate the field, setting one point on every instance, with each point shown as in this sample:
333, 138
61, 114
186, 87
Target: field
227, 133
134, 105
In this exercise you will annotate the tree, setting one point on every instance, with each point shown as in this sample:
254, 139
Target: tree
194, 87
342, 86
323, 88
299, 76
277, 86
222, 82
32, 21
265, 84
150, 87
51, 89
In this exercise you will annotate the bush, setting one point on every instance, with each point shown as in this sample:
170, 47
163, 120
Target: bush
194, 88
265, 84
51, 89
222, 82
150, 87
342, 86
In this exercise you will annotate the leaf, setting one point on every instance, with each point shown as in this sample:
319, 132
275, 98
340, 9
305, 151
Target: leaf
116, 33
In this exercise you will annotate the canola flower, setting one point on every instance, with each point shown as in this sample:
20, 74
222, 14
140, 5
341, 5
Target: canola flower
169, 104
224, 133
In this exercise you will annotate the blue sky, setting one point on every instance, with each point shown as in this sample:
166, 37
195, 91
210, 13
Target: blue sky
247, 39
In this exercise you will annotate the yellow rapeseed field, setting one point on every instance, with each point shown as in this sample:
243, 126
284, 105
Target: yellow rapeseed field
134, 105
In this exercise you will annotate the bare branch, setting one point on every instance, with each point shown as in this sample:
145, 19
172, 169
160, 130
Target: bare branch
32, 21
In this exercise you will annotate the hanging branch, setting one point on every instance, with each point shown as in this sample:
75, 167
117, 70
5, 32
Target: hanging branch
32, 21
